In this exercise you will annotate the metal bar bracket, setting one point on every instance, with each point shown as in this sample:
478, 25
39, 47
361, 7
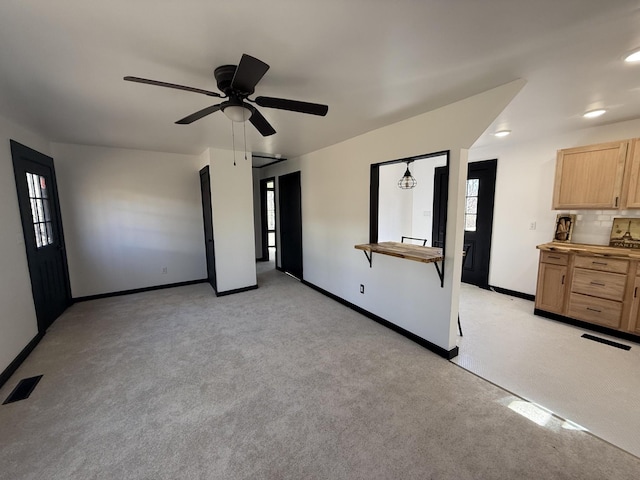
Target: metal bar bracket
440, 272
369, 257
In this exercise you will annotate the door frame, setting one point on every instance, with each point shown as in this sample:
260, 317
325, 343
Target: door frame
263, 217
210, 259
21, 153
374, 189
492, 164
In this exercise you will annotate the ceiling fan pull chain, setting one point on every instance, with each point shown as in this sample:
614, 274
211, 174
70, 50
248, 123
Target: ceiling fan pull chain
244, 124
233, 144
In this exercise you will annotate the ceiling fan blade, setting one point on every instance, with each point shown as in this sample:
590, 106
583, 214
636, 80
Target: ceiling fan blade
261, 123
293, 105
199, 114
172, 85
249, 72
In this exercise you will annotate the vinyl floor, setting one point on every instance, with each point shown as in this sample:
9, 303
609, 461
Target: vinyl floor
594, 385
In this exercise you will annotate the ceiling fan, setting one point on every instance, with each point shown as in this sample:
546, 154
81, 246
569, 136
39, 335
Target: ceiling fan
237, 83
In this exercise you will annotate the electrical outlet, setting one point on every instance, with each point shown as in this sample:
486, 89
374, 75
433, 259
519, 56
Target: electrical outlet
532, 226
164, 270
361, 288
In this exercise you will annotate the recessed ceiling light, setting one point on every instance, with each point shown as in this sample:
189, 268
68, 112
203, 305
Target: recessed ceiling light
594, 113
633, 56
502, 133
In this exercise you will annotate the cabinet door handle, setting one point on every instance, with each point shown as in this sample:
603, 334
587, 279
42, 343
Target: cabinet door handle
598, 284
599, 263
555, 258
616, 201
562, 281
594, 309
635, 292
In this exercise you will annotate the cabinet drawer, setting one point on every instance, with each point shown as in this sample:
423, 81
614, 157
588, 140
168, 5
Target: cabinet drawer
595, 310
602, 264
555, 258
599, 284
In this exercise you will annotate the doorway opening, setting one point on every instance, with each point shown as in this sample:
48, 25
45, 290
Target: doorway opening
268, 216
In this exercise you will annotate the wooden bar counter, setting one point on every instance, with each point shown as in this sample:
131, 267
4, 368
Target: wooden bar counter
416, 253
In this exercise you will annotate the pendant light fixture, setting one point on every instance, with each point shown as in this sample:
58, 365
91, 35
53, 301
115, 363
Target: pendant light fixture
407, 182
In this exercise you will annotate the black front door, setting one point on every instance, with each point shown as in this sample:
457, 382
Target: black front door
479, 198
290, 223
207, 218
440, 195
43, 236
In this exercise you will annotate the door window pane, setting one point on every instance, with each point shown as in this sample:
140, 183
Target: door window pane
271, 210
40, 209
471, 204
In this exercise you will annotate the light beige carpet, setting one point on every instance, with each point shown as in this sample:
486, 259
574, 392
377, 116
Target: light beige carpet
275, 383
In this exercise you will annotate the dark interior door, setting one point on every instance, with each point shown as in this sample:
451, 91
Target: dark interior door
43, 235
290, 223
440, 194
207, 217
481, 186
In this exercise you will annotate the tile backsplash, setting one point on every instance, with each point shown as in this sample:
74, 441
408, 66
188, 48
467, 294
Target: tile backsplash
594, 226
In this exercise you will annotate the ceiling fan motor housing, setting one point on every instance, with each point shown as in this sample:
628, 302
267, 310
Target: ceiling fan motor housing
224, 76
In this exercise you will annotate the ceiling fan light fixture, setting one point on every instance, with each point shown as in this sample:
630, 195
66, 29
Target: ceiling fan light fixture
407, 181
594, 113
237, 113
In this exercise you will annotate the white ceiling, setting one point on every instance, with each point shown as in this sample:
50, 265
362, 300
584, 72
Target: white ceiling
374, 62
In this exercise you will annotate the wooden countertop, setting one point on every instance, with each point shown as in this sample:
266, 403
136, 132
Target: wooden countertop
416, 253
583, 248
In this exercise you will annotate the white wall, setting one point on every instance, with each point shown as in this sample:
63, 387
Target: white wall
18, 324
524, 188
335, 216
395, 205
127, 214
233, 220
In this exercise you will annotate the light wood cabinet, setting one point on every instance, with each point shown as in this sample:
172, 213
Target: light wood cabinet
631, 186
599, 284
634, 318
595, 310
552, 280
594, 284
590, 176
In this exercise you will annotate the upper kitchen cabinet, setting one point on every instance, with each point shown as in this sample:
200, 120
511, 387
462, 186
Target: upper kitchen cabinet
631, 185
591, 176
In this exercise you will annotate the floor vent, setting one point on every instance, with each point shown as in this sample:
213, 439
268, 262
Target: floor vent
23, 389
606, 342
